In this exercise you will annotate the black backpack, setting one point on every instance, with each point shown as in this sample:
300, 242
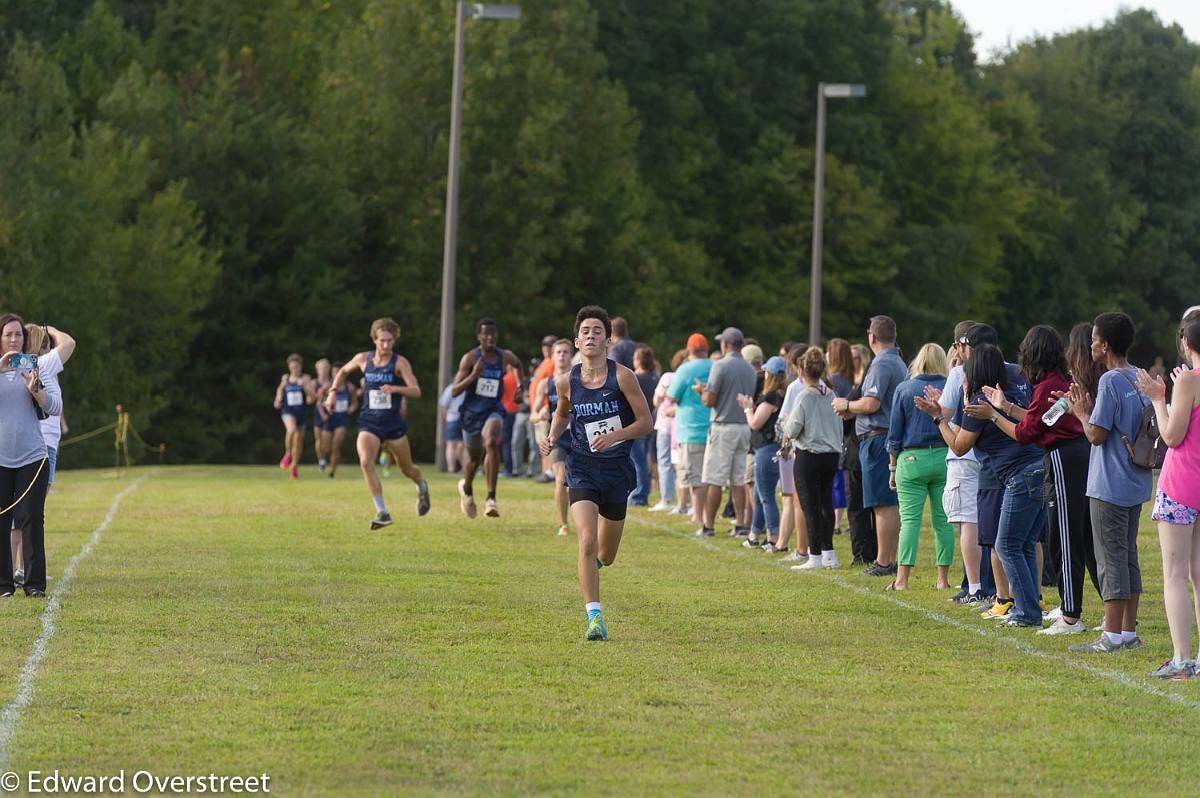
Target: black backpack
1147, 449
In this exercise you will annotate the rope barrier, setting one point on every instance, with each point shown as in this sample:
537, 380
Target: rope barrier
86, 435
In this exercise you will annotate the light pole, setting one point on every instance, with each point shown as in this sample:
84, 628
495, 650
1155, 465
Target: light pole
450, 248
814, 303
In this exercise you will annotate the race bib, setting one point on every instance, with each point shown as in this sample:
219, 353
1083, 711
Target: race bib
487, 388
604, 426
295, 398
342, 405
378, 400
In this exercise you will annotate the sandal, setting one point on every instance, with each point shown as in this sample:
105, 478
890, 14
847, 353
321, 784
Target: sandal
891, 585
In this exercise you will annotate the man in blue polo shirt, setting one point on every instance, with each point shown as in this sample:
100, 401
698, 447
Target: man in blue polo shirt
871, 416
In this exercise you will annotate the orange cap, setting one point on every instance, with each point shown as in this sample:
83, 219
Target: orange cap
697, 341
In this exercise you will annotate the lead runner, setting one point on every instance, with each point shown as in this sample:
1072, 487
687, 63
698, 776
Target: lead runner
605, 408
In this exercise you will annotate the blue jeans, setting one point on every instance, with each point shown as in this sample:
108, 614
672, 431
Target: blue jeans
766, 478
666, 471
506, 447
1022, 524
640, 451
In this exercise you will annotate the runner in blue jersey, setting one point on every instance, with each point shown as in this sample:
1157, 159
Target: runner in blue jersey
321, 385
333, 433
292, 398
545, 404
388, 379
480, 375
602, 403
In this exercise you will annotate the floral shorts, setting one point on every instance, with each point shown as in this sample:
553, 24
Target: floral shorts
1171, 511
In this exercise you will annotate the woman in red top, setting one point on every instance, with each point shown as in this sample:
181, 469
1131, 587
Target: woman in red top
1042, 359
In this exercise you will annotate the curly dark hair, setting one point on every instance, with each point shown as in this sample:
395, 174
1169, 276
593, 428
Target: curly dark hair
593, 312
1041, 354
1116, 330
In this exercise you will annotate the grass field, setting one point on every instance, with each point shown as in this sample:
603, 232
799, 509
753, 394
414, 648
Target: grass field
231, 622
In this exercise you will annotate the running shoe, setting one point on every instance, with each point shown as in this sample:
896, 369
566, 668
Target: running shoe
958, 597
1061, 627
998, 611
295, 474
596, 630
813, 563
704, 532
423, 498
34, 592
285, 462
681, 511
1099, 646
752, 544
563, 531
490, 509
1017, 623
381, 520
661, 507
1176, 671
829, 560
975, 599
795, 556
1134, 644
19, 577
1053, 615
771, 548
322, 466
466, 502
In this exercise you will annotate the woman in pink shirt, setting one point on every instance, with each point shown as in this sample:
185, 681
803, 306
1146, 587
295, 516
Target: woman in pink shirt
1177, 502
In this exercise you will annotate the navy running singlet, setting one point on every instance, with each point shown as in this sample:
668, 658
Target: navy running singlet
484, 398
380, 410
596, 411
564, 440
294, 400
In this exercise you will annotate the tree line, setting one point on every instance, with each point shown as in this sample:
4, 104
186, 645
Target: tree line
195, 190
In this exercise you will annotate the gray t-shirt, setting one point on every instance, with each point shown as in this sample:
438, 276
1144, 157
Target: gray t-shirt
731, 375
813, 425
885, 373
20, 433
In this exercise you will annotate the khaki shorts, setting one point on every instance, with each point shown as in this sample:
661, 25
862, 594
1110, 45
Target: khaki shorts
750, 468
691, 465
725, 455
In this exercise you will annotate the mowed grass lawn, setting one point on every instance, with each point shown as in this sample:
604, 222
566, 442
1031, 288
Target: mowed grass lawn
232, 622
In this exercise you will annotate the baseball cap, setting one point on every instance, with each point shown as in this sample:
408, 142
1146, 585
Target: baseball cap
775, 365
982, 334
732, 336
752, 354
697, 341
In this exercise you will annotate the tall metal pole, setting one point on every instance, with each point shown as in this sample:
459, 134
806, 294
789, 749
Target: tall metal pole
814, 302
450, 247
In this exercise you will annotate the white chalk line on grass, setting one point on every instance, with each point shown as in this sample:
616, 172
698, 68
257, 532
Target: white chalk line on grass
11, 715
1020, 645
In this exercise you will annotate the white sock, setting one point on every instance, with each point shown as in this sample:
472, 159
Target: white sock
592, 605
828, 554
1128, 637
1114, 637
974, 587
322, 461
379, 505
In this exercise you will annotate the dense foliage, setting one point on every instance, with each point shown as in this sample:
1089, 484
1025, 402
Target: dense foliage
196, 189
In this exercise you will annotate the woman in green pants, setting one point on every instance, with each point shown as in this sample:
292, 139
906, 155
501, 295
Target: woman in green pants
918, 466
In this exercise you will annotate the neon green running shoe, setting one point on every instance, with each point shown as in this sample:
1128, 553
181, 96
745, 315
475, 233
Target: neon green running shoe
596, 630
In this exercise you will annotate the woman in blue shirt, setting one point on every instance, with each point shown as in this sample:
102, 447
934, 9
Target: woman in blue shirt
918, 467
1019, 468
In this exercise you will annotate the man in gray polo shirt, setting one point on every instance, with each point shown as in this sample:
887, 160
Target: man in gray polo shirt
729, 434
871, 414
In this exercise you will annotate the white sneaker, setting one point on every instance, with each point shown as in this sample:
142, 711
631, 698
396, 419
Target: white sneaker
1053, 615
660, 507
796, 556
812, 564
829, 559
1061, 627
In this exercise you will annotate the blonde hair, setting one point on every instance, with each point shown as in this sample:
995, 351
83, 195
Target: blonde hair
35, 338
386, 324
930, 360
775, 382
812, 363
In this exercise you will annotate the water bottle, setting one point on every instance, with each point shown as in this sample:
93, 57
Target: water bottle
1051, 416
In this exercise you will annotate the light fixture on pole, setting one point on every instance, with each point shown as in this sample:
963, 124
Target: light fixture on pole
824, 90
450, 248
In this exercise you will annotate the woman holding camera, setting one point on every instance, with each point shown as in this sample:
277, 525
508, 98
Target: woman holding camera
23, 466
